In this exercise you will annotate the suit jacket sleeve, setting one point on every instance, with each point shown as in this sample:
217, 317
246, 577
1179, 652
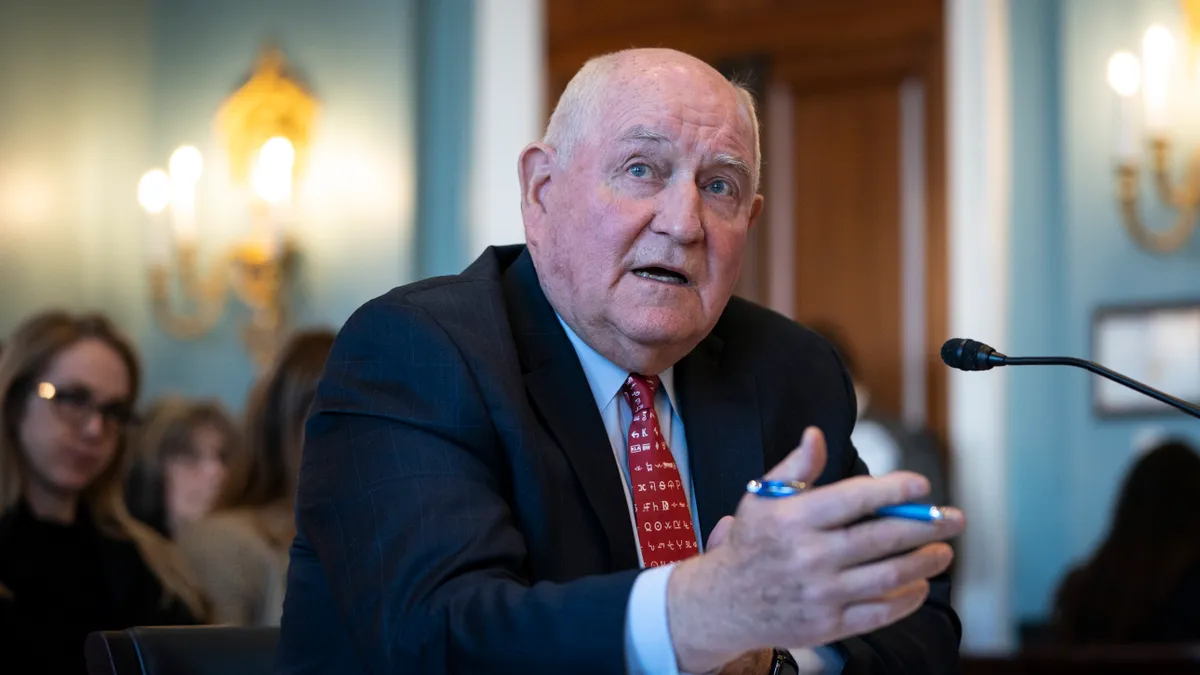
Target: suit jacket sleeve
926, 641
405, 496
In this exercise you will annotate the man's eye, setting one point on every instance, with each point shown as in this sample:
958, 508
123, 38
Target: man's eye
639, 171
719, 187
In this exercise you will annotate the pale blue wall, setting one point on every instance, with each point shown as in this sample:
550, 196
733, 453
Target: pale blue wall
447, 50
1071, 256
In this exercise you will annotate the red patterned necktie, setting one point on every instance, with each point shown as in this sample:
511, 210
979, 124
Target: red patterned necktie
664, 521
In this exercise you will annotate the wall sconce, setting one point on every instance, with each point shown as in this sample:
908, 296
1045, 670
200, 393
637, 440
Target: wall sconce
1152, 77
265, 126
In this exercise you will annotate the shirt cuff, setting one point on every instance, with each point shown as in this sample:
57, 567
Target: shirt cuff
648, 647
823, 660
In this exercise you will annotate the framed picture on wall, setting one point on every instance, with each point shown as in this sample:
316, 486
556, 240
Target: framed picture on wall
1156, 344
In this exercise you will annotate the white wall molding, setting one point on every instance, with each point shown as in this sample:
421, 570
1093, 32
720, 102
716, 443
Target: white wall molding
509, 77
979, 223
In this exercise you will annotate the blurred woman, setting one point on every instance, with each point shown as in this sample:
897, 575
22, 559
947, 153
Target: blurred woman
72, 559
1143, 582
182, 456
241, 551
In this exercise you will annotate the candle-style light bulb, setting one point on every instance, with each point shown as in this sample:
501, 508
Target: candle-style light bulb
272, 182
154, 194
186, 165
154, 191
1124, 76
272, 179
1158, 59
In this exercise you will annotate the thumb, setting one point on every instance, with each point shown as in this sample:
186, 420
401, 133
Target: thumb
806, 462
719, 533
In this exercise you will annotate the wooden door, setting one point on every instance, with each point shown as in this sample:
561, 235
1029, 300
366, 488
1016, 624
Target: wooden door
850, 97
847, 231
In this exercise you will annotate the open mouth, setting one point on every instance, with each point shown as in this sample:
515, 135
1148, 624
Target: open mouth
662, 274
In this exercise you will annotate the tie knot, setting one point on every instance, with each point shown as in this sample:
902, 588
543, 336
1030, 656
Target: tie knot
639, 391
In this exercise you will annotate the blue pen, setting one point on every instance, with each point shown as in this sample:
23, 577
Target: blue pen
786, 488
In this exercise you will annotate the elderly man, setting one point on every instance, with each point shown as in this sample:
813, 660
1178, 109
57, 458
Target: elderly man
510, 470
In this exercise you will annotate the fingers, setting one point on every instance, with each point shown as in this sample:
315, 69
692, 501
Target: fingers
864, 617
849, 500
883, 578
806, 462
719, 533
876, 539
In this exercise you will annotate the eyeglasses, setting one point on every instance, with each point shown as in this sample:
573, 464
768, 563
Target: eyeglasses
77, 405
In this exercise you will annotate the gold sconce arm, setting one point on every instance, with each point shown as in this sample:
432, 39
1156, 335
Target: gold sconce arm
255, 276
1182, 196
259, 281
207, 294
1183, 199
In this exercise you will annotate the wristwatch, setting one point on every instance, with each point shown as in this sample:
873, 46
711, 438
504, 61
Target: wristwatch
782, 663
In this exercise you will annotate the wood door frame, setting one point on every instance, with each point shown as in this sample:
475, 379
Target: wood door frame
817, 43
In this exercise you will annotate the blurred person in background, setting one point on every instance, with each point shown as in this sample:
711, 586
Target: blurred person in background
181, 458
72, 558
240, 552
1142, 584
885, 442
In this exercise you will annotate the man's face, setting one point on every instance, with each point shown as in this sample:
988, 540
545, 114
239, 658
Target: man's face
640, 241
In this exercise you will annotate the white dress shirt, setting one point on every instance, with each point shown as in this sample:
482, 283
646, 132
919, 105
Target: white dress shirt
648, 647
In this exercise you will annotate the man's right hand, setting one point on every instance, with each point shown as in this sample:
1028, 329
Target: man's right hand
803, 571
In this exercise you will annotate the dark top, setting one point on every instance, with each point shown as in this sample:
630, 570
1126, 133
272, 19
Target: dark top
1174, 619
67, 581
459, 509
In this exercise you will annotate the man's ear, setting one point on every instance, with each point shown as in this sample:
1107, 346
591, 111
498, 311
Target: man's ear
756, 208
535, 167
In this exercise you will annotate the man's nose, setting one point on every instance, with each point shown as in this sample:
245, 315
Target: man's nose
680, 215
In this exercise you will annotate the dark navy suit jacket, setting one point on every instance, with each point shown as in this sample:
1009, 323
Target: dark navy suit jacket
459, 509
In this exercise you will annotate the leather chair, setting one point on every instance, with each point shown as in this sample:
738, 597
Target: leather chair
182, 650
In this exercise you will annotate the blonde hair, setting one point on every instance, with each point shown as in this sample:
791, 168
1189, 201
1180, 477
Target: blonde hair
29, 352
267, 472
580, 103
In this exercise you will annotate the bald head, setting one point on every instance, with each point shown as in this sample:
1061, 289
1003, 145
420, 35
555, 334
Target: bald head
611, 77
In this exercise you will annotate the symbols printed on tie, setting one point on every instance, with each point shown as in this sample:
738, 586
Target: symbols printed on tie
664, 520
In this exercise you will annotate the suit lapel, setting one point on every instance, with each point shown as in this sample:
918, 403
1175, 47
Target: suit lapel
559, 391
724, 431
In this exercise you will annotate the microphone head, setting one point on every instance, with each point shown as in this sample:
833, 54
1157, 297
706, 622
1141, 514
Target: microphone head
964, 354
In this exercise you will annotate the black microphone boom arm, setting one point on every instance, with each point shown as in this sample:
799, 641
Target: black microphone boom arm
971, 355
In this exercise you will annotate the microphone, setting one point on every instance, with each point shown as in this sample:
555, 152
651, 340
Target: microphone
971, 355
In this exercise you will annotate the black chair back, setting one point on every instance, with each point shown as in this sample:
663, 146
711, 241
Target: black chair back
182, 650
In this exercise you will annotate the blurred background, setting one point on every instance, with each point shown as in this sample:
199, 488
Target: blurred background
216, 176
